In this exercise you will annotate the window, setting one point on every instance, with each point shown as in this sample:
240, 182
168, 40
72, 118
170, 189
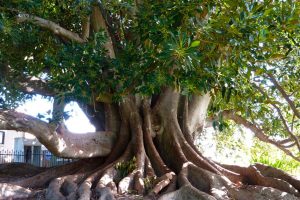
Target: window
2, 134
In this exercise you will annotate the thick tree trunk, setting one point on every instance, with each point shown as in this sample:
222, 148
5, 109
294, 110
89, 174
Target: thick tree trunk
153, 156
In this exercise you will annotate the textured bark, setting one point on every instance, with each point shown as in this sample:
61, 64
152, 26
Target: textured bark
196, 113
59, 140
153, 157
98, 22
55, 28
86, 24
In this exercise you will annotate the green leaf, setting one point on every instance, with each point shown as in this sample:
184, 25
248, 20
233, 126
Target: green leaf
195, 43
242, 15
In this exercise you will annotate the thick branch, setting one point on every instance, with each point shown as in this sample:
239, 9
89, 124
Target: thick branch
47, 24
259, 133
98, 22
59, 141
86, 27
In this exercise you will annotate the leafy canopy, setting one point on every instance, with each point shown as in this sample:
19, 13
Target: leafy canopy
227, 48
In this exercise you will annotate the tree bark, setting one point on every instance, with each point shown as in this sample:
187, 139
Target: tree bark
141, 145
158, 162
58, 139
55, 28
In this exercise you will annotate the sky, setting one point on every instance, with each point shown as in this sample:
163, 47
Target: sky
77, 123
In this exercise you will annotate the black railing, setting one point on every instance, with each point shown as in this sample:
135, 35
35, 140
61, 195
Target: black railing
41, 159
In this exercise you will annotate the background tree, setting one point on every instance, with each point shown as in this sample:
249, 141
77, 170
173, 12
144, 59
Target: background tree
147, 74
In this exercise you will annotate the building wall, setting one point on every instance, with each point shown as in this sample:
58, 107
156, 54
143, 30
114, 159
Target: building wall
19, 144
14, 140
9, 140
25, 148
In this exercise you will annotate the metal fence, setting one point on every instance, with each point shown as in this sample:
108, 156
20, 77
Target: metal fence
40, 159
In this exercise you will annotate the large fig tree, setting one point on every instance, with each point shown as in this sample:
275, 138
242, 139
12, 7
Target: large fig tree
150, 76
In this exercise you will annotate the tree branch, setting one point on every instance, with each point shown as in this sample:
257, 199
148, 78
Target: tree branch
86, 27
58, 110
284, 94
32, 85
286, 141
258, 132
284, 122
59, 140
98, 22
286, 126
55, 28
293, 121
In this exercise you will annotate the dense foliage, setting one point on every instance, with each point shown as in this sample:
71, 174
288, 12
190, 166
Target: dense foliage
228, 48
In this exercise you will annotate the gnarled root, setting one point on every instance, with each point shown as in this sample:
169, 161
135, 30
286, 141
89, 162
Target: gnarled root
197, 183
63, 187
261, 193
162, 182
266, 176
165, 167
84, 191
9, 190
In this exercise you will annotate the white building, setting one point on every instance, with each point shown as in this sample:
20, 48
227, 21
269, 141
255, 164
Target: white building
20, 147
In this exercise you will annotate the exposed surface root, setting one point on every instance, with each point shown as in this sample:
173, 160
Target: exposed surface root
126, 184
205, 181
62, 188
104, 193
172, 186
186, 192
162, 182
261, 193
262, 175
41, 179
84, 191
269, 171
9, 190
139, 185
256, 178
149, 171
167, 167
11, 171
107, 180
